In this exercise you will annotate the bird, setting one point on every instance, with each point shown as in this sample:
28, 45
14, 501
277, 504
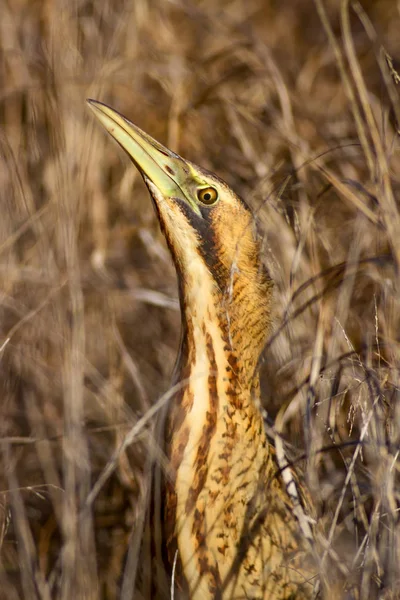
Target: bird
230, 519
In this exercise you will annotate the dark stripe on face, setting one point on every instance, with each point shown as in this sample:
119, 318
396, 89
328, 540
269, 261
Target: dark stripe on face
207, 241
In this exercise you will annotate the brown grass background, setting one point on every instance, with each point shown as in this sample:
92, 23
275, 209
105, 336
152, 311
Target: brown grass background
293, 104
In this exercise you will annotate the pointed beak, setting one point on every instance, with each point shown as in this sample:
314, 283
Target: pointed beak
164, 169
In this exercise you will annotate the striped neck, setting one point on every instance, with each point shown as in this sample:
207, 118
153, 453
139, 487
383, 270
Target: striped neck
213, 424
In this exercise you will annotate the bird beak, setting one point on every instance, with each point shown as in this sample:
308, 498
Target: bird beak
166, 170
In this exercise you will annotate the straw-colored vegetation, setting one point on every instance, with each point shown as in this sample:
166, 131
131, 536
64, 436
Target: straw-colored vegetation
293, 103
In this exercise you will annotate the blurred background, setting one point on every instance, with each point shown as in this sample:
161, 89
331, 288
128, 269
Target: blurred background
294, 104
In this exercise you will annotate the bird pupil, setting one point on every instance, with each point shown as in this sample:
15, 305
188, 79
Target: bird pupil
207, 196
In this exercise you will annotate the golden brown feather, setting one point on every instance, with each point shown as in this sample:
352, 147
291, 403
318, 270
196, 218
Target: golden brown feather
228, 515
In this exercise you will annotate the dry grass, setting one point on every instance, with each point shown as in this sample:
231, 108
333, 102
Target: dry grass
293, 104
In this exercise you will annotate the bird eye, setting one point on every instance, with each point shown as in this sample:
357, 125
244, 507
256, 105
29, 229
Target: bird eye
207, 195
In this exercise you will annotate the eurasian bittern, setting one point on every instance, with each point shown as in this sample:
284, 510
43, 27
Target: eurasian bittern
228, 512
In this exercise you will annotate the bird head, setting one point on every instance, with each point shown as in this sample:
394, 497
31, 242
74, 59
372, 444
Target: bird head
210, 230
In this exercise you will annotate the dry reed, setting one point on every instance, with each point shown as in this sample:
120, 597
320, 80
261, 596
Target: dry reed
297, 106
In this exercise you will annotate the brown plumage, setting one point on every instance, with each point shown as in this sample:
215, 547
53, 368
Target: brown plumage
228, 515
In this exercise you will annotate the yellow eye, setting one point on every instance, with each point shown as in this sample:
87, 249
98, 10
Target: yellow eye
207, 195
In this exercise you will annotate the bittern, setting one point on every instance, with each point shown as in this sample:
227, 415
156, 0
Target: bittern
228, 513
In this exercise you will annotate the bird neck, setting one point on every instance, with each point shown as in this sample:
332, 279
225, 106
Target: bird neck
225, 324
215, 419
